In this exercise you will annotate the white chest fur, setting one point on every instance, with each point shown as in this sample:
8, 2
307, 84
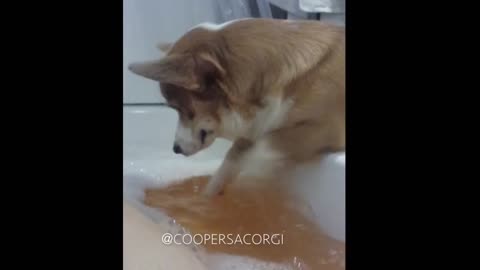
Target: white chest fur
266, 119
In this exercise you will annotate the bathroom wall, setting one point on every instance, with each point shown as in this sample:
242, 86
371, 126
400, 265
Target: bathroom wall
149, 22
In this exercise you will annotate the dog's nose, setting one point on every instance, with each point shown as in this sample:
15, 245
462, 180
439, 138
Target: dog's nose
177, 149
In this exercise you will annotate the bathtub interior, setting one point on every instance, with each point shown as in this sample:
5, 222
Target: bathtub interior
149, 161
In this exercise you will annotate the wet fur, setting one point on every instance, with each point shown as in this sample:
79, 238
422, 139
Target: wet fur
275, 88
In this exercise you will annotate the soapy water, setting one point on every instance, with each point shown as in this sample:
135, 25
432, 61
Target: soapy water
218, 261
134, 187
210, 261
215, 257
249, 212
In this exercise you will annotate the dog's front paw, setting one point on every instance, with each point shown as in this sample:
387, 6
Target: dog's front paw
210, 191
214, 187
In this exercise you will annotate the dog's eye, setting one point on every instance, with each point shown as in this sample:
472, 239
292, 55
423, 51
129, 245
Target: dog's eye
190, 115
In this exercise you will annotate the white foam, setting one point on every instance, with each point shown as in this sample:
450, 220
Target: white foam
215, 27
228, 262
142, 174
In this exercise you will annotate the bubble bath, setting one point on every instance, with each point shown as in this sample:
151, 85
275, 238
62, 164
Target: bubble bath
177, 203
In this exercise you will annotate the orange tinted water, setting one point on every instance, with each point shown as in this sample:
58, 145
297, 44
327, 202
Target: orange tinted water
248, 212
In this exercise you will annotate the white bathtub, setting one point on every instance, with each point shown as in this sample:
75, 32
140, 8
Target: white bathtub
148, 140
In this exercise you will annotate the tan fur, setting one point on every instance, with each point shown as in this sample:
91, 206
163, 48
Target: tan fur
251, 70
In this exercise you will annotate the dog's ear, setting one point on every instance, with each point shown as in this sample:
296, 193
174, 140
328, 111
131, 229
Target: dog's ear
174, 69
164, 47
186, 71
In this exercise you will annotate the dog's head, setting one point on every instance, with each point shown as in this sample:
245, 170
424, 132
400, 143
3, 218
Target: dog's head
190, 81
218, 78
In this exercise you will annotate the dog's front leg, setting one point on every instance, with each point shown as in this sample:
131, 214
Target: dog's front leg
275, 152
230, 167
254, 160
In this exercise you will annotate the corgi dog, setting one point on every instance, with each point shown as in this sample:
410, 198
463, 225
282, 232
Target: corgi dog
275, 88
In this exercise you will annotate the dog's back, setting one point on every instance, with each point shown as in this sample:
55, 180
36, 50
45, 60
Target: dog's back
287, 81
266, 58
